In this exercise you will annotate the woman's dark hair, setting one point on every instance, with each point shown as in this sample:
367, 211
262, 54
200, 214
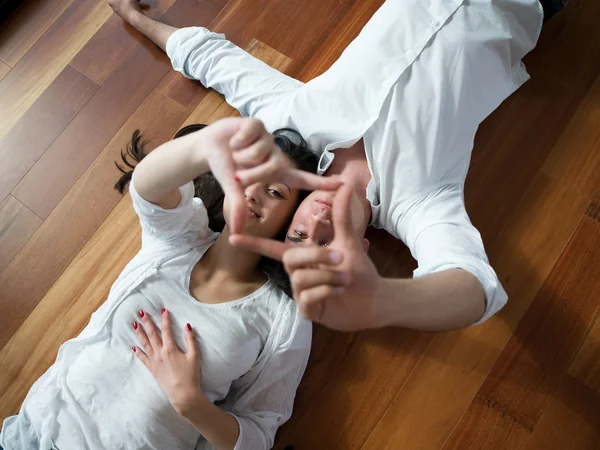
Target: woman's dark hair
209, 190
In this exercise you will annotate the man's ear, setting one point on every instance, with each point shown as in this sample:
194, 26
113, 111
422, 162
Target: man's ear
366, 245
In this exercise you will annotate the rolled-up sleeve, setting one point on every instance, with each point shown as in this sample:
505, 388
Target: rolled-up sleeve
262, 400
166, 225
440, 236
249, 85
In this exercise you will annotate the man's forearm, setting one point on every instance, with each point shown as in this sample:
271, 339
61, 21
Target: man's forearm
446, 300
156, 31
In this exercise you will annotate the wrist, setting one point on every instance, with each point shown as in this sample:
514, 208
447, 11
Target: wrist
386, 307
193, 405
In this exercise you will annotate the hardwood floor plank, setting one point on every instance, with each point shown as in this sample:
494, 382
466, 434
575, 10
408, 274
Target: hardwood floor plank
4, 69
113, 42
593, 210
62, 235
66, 308
334, 40
514, 155
566, 60
586, 367
455, 365
26, 25
41, 125
575, 160
85, 137
93, 127
513, 397
571, 421
47, 58
17, 224
354, 400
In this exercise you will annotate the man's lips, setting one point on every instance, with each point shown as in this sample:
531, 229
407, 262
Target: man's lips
327, 203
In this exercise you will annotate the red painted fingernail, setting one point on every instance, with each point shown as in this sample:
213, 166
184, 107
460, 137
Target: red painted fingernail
135, 325
236, 178
141, 313
189, 327
134, 349
162, 311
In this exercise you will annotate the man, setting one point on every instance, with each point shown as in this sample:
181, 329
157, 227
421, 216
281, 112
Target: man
395, 118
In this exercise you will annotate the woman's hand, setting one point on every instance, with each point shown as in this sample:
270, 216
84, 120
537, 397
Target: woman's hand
177, 373
240, 152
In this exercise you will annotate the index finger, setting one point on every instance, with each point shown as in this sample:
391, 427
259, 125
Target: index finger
267, 247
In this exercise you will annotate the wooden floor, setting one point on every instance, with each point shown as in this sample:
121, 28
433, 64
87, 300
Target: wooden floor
75, 82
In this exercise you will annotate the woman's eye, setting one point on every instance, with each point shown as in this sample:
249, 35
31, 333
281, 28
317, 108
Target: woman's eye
275, 192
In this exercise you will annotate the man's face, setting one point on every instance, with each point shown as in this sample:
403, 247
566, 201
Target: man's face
312, 223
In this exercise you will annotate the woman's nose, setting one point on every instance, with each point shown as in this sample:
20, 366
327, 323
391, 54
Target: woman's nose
251, 193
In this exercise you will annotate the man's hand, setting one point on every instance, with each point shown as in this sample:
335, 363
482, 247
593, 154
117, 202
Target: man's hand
336, 286
125, 8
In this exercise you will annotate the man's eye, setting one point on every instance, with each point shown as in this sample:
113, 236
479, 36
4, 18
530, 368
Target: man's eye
300, 234
324, 243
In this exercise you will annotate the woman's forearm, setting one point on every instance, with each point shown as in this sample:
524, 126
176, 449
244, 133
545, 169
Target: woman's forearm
217, 427
160, 174
447, 300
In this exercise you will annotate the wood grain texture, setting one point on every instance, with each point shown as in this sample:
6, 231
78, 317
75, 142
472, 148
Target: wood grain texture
353, 391
586, 367
593, 210
516, 392
17, 224
66, 308
4, 69
26, 25
47, 58
334, 40
576, 159
113, 42
62, 235
41, 125
94, 126
514, 155
85, 137
447, 378
571, 420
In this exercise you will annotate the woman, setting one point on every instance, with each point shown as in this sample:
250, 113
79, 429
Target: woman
124, 382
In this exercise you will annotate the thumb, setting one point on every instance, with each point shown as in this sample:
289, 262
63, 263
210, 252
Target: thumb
342, 217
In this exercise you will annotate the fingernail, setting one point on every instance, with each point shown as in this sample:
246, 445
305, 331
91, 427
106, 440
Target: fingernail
189, 327
335, 256
162, 311
135, 325
141, 313
134, 349
237, 178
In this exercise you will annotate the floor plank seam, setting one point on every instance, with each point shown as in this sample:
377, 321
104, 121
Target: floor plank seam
54, 140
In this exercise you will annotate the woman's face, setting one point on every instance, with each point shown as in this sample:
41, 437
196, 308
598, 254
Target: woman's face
270, 206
